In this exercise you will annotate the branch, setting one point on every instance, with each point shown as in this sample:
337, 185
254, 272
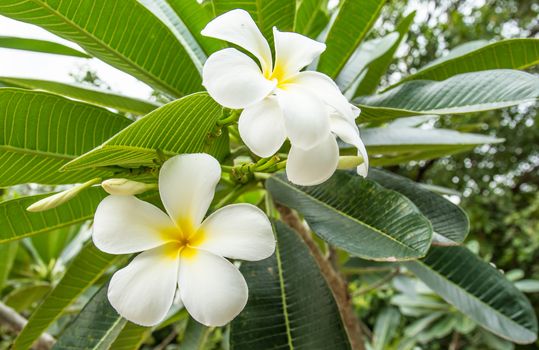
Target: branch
334, 279
15, 322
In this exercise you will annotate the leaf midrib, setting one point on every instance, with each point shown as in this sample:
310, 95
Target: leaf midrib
13, 149
106, 47
283, 298
354, 219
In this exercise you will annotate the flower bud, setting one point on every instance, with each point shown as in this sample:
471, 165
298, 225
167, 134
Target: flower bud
125, 187
349, 162
56, 199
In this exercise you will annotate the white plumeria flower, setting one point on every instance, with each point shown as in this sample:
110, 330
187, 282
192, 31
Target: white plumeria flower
279, 101
181, 249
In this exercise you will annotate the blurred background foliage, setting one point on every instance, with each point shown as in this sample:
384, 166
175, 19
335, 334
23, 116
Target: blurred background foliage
497, 184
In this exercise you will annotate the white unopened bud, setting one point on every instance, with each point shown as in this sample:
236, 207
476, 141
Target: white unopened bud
125, 187
60, 197
349, 162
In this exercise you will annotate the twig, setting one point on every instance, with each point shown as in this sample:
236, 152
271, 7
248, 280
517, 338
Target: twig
378, 283
15, 322
333, 278
455, 341
167, 340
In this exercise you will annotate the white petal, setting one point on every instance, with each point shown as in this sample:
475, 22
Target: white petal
143, 291
349, 133
326, 90
125, 224
234, 80
237, 27
212, 288
187, 186
314, 166
294, 51
261, 127
238, 231
306, 119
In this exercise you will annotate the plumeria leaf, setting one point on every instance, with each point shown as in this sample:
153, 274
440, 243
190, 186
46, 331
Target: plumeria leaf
87, 267
24, 296
187, 125
290, 304
518, 53
41, 132
308, 16
353, 22
84, 93
358, 216
128, 37
463, 93
195, 335
265, 13
131, 337
17, 222
478, 290
8, 252
448, 220
36, 45
95, 328
378, 68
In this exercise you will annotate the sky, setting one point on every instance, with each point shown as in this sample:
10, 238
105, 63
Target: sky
18, 63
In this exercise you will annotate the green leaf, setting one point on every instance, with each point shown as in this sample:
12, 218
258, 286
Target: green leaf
367, 53
87, 267
448, 220
464, 93
41, 132
36, 45
506, 54
266, 13
528, 286
358, 216
192, 17
379, 67
290, 304
385, 328
195, 336
181, 126
50, 245
353, 22
17, 222
128, 37
478, 290
95, 328
85, 93
397, 140
307, 15
8, 251
24, 296
131, 337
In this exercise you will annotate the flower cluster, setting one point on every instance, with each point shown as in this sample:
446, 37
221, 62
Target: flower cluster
181, 252
280, 101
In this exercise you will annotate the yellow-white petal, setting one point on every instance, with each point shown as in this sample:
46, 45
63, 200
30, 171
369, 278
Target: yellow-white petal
143, 291
306, 119
294, 51
237, 27
238, 231
349, 133
212, 289
234, 80
313, 166
326, 90
187, 186
261, 127
125, 224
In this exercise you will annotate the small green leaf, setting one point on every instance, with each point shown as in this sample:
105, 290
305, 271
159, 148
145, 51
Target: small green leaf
479, 291
91, 95
8, 251
358, 216
23, 297
308, 15
353, 22
87, 267
195, 336
36, 45
463, 93
182, 126
131, 337
95, 328
290, 304
447, 219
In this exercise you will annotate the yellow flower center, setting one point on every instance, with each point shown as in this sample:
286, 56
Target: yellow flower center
182, 242
278, 74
